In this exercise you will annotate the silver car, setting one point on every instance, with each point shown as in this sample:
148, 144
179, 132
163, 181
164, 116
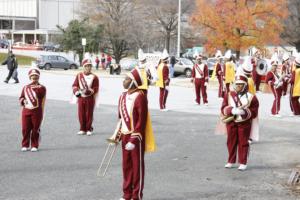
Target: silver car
184, 66
53, 61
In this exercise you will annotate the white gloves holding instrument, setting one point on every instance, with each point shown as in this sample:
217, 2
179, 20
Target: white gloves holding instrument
129, 146
78, 93
237, 111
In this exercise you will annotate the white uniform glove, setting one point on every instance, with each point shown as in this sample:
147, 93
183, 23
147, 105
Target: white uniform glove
167, 88
234, 111
205, 84
77, 93
237, 111
129, 146
240, 111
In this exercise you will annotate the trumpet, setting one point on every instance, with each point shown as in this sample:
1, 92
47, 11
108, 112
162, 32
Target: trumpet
113, 142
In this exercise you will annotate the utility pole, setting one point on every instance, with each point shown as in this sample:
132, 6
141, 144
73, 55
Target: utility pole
178, 34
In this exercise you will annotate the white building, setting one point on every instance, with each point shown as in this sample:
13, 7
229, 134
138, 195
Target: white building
30, 20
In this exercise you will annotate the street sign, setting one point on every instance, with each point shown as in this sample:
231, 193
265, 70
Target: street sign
83, 41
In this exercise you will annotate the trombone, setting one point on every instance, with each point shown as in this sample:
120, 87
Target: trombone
113, 142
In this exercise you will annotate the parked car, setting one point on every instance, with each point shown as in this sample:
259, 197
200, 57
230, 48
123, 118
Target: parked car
4, 43
25, 46
53, 61
184, 66
49, 46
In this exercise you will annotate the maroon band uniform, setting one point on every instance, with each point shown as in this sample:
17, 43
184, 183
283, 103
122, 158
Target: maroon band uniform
32, 99
255, 75
239, 129
163, 85
285, 71
133, 110
272, 79
220, 76
295, 91
200, 76
88, 84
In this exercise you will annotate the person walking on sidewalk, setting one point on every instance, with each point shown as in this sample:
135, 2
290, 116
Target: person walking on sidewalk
97, 61
12, 65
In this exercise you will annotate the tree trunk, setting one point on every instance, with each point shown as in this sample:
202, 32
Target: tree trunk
297, 44
238, 52
168, 38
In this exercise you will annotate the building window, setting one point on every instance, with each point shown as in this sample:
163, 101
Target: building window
5, 24
24, 25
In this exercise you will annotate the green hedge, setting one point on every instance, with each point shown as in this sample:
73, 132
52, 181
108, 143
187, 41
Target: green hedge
22, 60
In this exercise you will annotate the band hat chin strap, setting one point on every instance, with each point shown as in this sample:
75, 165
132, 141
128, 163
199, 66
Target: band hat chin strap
133, 81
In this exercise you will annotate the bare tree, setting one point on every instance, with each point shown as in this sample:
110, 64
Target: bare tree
292, 24
116, 18
163, 17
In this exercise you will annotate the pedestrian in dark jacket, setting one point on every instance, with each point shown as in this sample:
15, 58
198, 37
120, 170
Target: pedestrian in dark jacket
12, 65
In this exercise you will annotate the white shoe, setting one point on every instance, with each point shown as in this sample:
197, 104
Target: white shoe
206, 104
164, 110
242, 167
122, 199
88, 133
24, 149
250, 141
276, 115
196, 103
33, 149
228, 165
81, 133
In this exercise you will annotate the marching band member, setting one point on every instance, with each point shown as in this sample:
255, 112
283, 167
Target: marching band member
145, 72
32, 100
243, 106
274, 80
136, 135
163, 80
255, 75
247, 69
200, 79
218, 71
295, 87
229, 70
285, 72
85, 88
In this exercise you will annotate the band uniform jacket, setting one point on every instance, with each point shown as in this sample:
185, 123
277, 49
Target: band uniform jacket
32, 98
246, 101
200, 71
88, 84
163, 76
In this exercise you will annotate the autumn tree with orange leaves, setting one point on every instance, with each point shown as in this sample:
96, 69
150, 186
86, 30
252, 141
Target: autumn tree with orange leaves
239, 24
